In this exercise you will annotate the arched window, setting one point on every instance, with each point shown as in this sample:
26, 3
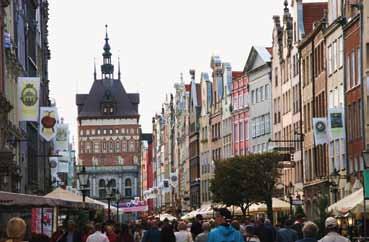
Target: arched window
102, 189
117, 146
128, 187
113, 184
111, 146
124, 146
131, 146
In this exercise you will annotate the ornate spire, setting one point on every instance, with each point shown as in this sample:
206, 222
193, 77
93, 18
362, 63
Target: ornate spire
95, 68
107, 68
118, 68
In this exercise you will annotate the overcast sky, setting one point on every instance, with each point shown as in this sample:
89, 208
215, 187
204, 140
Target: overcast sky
156, 41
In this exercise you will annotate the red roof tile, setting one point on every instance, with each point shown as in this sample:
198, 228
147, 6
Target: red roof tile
313, 12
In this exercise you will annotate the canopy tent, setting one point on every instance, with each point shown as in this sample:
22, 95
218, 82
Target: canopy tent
77, 199
350, 203
164, 216
9, 199
277, 204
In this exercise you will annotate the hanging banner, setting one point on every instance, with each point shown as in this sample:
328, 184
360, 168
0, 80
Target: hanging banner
336, 123
42, 221
174, 178
366, 183
134, 206
48, 117
320, 131
28, 98
62, 137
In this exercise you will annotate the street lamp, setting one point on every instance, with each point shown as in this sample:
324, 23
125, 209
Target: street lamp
290, 191
117, 199
335, 179
109, 196
83, 178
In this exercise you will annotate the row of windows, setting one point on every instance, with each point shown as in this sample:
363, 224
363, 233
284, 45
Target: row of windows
286, 99
319, 60
354, 123
215, 131
316, 163
353, 67
109, 146
335, 97
260, 148
100, 131
240, 131
335, 55
239, 101
260, 94
260, 125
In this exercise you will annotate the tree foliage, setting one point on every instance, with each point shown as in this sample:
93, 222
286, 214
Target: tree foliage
244, 180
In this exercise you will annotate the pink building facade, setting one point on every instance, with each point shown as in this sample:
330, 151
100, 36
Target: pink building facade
240, 117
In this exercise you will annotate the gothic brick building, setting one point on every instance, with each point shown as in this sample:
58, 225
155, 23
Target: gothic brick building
109, 134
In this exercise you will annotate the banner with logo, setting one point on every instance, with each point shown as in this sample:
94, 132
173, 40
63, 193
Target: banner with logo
53, 161
48, 117
174, 178
42, 221
320, 131
336, 123
62, 137
134, 206
28, 98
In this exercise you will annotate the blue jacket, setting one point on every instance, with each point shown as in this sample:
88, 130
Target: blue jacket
224, 233
151, 235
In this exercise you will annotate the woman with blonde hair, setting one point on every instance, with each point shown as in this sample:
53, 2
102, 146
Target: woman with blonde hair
16, 230
183, 235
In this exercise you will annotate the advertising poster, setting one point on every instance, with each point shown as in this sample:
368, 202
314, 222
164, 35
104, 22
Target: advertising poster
42, 221
48, 117
28, 98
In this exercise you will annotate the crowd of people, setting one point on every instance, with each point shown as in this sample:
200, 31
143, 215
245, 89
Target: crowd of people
220, 229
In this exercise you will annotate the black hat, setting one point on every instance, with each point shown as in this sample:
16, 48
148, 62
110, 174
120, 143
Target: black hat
224, 212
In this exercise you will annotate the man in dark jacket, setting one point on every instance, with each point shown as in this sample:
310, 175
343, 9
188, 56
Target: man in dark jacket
196, 227
153, 234
265, 230
287, 234
71, 235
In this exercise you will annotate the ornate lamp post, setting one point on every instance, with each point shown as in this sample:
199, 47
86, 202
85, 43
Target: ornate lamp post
290, 191
117, 199
83, 178
109, 196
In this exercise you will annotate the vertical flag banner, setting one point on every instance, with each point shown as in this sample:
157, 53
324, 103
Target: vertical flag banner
320, 131
62, 137
336, 123
48, 117
28, 98
366, 183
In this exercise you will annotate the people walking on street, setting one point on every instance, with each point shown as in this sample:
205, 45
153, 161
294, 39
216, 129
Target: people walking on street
125, 234
183, 235
112, 236
98, 236
265, 230
298, 225
71, 235
153, 233
287, 234
166, 233
250, 234
89, 229
57, 235
196, 227
310, 232
331, 229
224, 232
138, 234
203, 237
16, 230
